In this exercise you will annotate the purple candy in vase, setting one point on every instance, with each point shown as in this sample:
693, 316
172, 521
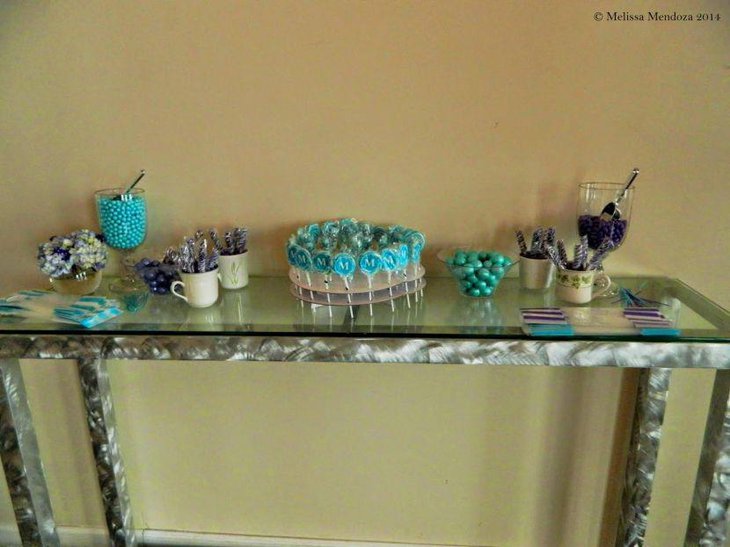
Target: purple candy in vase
592, 200
597, 230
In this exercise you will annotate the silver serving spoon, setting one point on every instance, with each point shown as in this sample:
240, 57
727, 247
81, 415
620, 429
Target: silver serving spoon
125, 195
611, 210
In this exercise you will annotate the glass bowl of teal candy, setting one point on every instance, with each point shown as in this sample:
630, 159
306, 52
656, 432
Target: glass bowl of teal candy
122, 217
477, 272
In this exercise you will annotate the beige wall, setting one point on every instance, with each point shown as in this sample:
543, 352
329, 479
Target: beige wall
464, 119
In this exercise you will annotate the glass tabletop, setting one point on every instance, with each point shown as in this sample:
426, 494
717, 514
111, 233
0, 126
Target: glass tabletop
267, 307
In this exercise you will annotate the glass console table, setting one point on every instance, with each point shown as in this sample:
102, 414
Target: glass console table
263, 322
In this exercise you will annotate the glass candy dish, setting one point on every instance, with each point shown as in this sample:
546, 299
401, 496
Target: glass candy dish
477, 272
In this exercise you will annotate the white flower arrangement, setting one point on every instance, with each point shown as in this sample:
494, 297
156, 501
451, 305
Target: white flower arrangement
69, 255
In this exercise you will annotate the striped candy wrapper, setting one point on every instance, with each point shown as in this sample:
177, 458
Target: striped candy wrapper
562, 253
521, 241
597, 258
240, 236
550, 237
577, 264
213, 260
555, 257
202, 256
215, 239
536, 238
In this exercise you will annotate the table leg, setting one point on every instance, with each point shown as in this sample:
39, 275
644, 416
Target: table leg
646, 432
96, 391
21, 461
707, 525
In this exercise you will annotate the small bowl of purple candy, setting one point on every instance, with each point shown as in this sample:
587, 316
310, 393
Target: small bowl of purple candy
158, 276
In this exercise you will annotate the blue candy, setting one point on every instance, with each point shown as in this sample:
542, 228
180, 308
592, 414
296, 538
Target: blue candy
322, 261
123, 221
370, 263
390, 259
344, 265
302, 259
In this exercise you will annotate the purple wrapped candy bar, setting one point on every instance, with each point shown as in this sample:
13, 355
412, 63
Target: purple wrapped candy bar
562, 253
597, 230
521, 242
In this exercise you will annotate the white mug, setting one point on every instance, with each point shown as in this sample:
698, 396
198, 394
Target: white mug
536, 273
580, 287
233, 270
201, 289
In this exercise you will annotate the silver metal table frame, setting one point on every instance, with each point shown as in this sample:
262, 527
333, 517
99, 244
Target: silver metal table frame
656, 359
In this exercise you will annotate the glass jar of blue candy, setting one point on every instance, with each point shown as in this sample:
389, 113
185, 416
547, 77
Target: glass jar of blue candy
122, 217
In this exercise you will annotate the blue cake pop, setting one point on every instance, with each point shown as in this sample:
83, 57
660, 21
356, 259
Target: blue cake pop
370, 263
302, 259
291, 253
403, 256
390, 259
314, 231
322, 262
344, 265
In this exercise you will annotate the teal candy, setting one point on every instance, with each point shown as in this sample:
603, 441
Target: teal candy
322, 262
370, 263
291, 253
314, 231
416, 251
302, 259
123, 222
417, 238
479, 273
390, 259
344, 265
402, 256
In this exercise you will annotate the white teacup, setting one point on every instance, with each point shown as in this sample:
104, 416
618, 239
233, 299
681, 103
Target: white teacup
536, 273
233, 270
201, 289
580, 287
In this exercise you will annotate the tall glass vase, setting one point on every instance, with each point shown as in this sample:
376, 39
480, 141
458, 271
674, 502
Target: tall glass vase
593, 197
123, 221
